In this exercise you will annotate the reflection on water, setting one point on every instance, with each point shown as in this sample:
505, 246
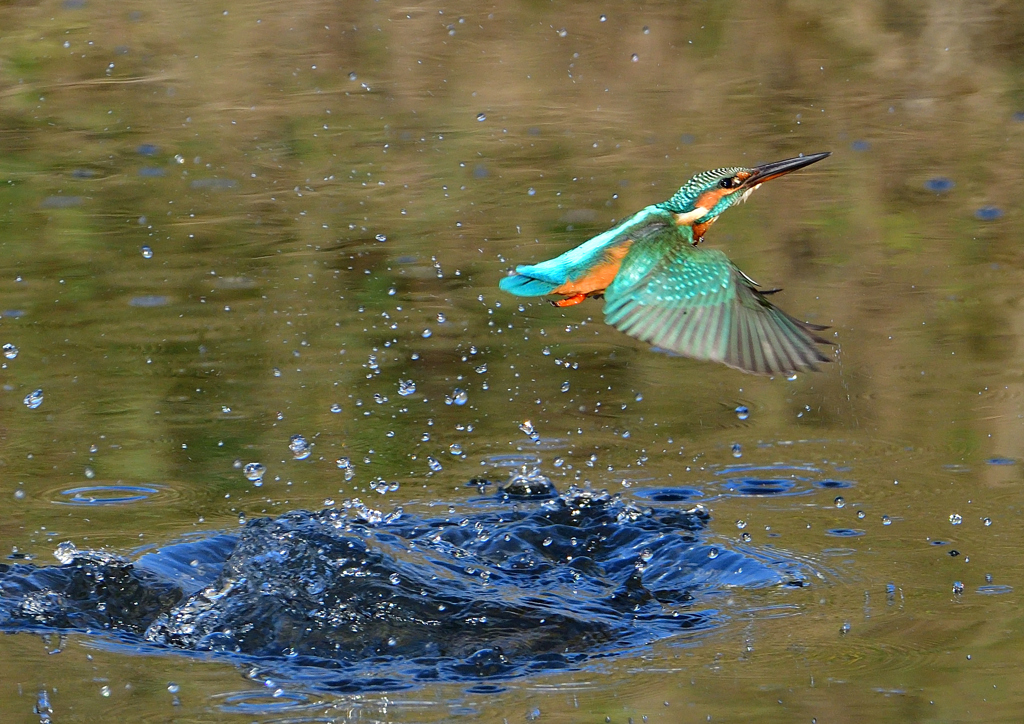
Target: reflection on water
224, 227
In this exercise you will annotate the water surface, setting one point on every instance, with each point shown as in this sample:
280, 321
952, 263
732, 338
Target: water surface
225, 226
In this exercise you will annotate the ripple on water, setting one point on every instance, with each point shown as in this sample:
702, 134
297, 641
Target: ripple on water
265, 701
149, 300
939, 184
780, 480
513, 460
988, 213
844, 532
669, 495
994, 590
99, 495
60, 202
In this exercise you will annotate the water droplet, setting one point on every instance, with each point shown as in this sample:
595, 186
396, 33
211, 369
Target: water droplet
603, 18
845, 628
886, 520
955, 518
10, 351
458, 397
426, 333
548, 541
455, 448
713, 553
147, 253
300, 447
958, 587
481, 369
65, 552
635, 58
395, 579
527, 427
277, 372
481, 117
90, 473
441, 319
352, 75
562, 33
434, 464
381, 238
791, 377
254, 471
737, 450
34, 399
647, 30
639, 397
742, 412
335, 408
860, 514
745, 537
840, 503
531, 191
105, 690
741, 524
558, 462
986, 521
565, 387
406, 388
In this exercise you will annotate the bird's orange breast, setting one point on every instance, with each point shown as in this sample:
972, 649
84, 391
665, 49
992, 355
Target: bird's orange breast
600, 275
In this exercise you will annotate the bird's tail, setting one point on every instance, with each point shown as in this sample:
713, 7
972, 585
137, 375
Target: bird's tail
524, 285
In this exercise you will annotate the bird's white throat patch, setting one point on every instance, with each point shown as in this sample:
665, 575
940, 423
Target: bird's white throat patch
746, 194
689, 217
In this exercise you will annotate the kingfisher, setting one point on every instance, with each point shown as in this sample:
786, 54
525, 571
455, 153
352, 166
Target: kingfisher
661, 287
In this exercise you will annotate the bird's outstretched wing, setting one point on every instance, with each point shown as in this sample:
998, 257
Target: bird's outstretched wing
695, 302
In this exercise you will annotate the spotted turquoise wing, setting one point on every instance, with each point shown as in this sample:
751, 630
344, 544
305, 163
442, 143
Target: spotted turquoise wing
695, 302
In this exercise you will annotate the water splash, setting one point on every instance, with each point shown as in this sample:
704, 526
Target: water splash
355, 599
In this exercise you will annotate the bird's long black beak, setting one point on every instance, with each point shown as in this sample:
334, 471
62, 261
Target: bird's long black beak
768, 171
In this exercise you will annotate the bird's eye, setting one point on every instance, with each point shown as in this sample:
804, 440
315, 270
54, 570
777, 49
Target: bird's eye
726, 183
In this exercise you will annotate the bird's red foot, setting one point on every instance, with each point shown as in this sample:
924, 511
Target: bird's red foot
570, 301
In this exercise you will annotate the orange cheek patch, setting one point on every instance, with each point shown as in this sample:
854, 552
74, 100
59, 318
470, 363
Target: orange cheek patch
600, 276
709, 199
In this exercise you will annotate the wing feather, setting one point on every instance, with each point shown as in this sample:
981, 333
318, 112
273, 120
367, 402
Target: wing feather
695, 302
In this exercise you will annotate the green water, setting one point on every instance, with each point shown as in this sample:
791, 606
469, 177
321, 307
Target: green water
317, 182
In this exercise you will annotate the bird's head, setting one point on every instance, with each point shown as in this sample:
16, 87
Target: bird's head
705, 196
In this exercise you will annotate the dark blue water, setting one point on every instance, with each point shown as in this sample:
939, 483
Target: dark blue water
521, 581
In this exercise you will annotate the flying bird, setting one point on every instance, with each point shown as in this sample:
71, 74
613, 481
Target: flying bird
660, 286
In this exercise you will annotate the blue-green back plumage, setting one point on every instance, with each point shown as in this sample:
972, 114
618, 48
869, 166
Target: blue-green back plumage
535, 280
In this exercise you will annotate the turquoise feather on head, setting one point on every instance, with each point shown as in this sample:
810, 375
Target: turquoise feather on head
685, 198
